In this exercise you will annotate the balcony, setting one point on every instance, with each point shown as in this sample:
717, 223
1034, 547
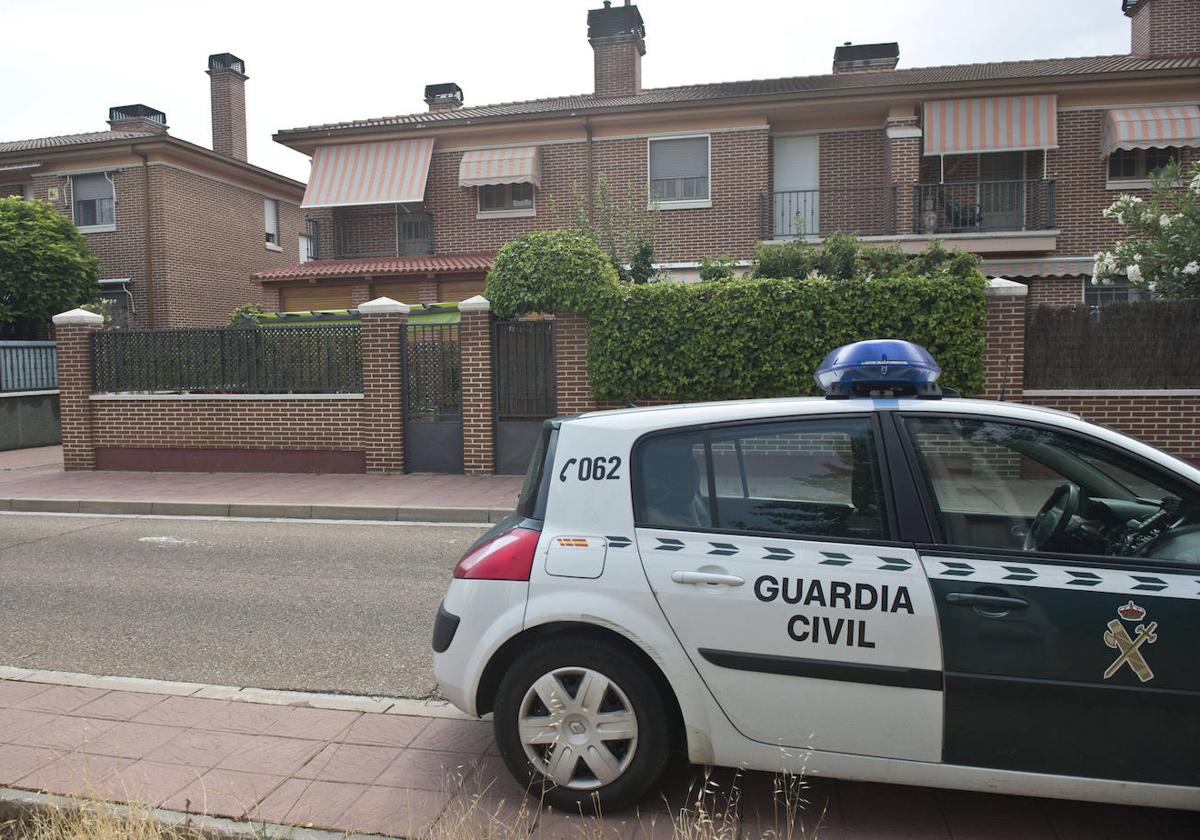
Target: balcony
991, 216
354, 232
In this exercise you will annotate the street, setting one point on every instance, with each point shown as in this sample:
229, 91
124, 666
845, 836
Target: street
318, 607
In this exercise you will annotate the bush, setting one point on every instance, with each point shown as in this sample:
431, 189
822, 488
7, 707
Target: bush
842, 257
550, 271
717, 268
728, 339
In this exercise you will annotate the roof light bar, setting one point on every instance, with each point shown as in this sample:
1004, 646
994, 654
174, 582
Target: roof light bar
883, 367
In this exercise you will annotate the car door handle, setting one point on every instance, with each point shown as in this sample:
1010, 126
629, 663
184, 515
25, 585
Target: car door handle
973, 599
697, 578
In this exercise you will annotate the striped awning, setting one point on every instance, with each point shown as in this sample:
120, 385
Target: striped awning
1050, 267
386, 172
991, 124
1145, 128
520, 165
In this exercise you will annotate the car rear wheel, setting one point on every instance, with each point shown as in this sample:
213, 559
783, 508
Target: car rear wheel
575, 733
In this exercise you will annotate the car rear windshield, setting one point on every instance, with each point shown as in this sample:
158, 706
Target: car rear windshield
532, 501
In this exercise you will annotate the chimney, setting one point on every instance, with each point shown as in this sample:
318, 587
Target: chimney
1163, 27
865, 58
227, 74
137, 118
618, 39
444, 97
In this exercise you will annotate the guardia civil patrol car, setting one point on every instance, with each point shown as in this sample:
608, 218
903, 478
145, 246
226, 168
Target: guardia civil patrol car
890, 585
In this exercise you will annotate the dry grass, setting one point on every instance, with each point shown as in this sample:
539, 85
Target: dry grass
95, 821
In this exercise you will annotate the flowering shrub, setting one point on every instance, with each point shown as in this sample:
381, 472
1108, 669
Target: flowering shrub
1163, 255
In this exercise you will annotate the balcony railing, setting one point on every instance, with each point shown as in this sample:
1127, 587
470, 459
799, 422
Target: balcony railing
865, 211
936, 209
375, 233
984, 206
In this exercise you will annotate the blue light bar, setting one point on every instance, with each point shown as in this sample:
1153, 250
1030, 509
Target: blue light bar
881, 367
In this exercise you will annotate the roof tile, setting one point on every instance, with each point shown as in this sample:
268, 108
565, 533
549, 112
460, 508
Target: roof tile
70, 140
430, 264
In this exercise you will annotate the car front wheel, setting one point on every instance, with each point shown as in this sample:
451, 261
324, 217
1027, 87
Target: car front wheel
581, 724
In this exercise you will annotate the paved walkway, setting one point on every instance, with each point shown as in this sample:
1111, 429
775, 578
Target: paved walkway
416, 776
33, 480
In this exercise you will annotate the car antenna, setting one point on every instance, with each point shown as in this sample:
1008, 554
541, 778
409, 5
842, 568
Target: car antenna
1004, 376
628, 402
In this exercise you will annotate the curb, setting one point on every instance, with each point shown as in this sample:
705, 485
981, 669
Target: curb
268, 696
18, 805
236, 510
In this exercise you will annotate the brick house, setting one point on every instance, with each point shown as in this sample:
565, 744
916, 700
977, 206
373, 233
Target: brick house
178, 228
1013, 160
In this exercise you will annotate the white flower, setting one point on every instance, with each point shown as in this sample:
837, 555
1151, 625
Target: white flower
1134, 273
1095, 280
1195, 185
1165, 220
1192, 268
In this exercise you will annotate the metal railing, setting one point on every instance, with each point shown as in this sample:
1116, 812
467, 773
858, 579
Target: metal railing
680, 189
432, 372
309, 359
378, 233
983, 206
525, 369
865, 211
28, 366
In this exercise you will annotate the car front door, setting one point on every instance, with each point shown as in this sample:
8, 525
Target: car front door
1069, 609
769, 550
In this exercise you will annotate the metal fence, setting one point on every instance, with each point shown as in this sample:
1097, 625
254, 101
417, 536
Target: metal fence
316, 359
28, 366
433, 372
524, 369
1152, 344
865, 211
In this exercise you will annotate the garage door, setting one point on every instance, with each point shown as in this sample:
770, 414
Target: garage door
456, 290
305, 298
405, 291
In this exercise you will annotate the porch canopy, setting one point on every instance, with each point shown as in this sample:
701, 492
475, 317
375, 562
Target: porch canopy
384, 172
991, 124
519, 165
1146, 128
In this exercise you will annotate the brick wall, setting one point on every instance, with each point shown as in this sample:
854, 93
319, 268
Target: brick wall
617, 66
1054, 291
74, 389
1165, 27
1171, 423
228, 91
1004, 341
853, 179
479, 434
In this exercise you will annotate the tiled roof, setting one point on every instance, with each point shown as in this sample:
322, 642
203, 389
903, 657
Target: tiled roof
921, 76
70, 140
383, 266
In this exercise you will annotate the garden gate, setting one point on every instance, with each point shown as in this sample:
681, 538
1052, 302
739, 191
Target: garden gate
524, 388
432, 399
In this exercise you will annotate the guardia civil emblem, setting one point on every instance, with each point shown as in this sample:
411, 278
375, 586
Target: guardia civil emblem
1130, 647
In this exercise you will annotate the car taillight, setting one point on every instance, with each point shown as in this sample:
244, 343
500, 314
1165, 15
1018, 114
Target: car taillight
508, 556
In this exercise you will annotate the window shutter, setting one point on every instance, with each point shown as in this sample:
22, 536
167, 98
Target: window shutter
90, 187
686, 157
270, 216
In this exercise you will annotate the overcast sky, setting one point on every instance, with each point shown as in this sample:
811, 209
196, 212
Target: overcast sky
64, 62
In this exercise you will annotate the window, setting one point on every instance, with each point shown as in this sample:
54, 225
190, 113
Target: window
1100, 296
271, 221
503, 198
1022, 488
93, 197
679, 170
1139, 164
13, 190
806, 478
306, 247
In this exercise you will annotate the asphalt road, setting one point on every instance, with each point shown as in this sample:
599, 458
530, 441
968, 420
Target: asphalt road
317, 607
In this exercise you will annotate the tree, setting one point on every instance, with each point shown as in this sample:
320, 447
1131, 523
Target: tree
623, 226
1163, 254
45, 265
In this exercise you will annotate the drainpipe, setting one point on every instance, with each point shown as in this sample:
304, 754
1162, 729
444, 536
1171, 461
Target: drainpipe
591, 173
147, 237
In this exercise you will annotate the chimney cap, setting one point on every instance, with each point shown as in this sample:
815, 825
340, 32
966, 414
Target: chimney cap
858, 57
445, 94
120, 113
612, 21
226, 62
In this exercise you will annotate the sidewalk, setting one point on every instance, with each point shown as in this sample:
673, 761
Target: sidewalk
33, 480
414, 776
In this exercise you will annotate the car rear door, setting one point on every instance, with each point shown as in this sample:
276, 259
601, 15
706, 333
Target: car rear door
1063, 662
769, 550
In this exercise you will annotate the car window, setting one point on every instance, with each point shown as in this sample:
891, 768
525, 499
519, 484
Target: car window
803, 478
1004, 485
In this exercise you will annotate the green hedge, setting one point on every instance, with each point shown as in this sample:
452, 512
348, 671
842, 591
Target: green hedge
727, 339
550, 271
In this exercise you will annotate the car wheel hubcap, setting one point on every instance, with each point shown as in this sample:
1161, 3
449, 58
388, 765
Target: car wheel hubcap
578, 728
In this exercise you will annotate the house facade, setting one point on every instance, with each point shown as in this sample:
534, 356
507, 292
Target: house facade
179, 229
1012, 160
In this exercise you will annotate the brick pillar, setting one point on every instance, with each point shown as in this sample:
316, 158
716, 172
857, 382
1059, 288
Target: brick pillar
478, 409
903, 166
72, 332
384, 322
570, 355
1004, 340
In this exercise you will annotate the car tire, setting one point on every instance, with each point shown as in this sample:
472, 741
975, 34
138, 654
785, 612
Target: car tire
609, 770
